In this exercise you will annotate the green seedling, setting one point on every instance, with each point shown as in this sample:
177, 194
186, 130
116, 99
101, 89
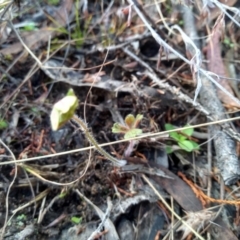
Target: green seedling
130, 129
182, 139
20, 220
3, 124
30, 26
64, 110
76, 220
62, 195
78, 34
180, 23
53, 2
21, 217
228, 42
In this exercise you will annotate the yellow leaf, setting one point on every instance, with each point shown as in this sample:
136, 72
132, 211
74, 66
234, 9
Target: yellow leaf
63, 111
129, 120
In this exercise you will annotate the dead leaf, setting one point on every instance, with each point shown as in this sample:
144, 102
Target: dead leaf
216, 65
93, 78
197, 220
35, 39
186, 198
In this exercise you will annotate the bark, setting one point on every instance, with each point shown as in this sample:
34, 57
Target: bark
227, 159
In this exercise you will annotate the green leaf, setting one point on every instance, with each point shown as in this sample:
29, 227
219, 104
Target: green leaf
70, 93
195, 145
53, 2
186, 145
226, 41
30, 26
62, 195
188, 131
181, 138
132, 133
21, 217
63, 110
119, 128
3, 124
169, 126
175, 136
169, 149
78, 37
76, 220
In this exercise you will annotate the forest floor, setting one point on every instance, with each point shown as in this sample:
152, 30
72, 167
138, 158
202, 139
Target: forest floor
156, 85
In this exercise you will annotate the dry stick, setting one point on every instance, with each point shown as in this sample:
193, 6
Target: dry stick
103, 220
24, 45
227, 159
169, 208
203, 197
12, 65
226, 9
145, 18
90, 89
112, 234
230, 172
149, 135
209, 160
34, 173
92, 140
30, 73
37, 198
9, 189
141, 13
182, 97
179, 95
44, 211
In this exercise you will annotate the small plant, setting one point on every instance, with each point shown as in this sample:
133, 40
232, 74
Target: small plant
228, 42
30, 26
53, 2
76, 220
21, 217
64, 110
79, 33
130, 129
3, 124
182, 138
62, 195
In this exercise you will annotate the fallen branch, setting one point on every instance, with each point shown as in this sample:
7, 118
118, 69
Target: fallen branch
227, 160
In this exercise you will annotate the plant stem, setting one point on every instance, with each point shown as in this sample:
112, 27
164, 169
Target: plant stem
92, 140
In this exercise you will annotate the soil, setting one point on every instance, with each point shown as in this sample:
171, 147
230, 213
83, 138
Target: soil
55, 184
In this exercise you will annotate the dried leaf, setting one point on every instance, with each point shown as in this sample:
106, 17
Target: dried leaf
36, 38
215, 63
197, 220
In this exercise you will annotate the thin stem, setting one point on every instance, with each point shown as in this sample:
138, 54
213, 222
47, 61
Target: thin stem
92, 140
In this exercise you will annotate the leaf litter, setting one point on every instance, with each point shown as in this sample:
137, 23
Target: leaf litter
131, 60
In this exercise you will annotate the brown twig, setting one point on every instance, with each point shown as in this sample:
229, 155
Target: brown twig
203, 197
